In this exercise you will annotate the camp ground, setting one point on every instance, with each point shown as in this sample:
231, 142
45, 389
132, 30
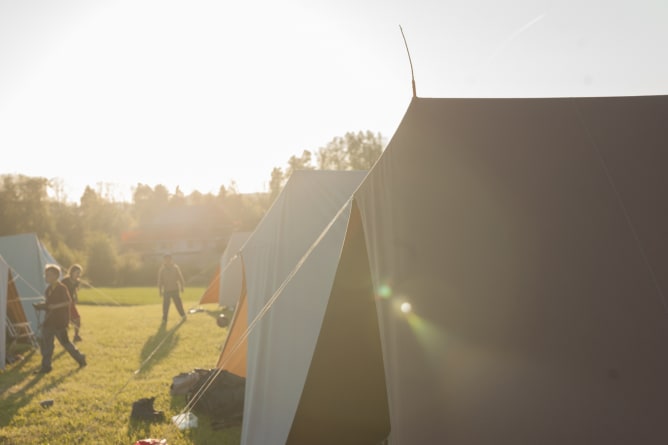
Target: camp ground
27, 257
500, 276
225, 287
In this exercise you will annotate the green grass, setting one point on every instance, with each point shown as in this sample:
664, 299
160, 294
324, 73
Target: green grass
134, 296
93, 405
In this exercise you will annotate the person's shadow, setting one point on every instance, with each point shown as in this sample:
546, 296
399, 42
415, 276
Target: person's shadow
21, 375
158, 346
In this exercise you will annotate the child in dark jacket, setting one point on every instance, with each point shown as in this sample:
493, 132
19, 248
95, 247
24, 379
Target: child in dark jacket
72, 281
56, 320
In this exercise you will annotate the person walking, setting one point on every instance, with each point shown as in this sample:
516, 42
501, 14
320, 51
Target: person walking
170, 285
56, 320
72, 282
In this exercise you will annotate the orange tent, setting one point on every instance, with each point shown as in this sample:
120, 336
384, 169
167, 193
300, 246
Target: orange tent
212, 291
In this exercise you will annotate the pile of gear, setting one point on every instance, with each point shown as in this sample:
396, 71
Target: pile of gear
214, 393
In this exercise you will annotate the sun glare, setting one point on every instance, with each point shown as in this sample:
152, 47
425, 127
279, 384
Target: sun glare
384, 291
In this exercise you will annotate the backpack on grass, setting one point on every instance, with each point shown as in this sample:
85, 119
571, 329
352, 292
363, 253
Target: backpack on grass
184, 382
222, 401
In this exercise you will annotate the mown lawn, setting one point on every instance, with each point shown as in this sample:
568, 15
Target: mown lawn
93, 405
134, 296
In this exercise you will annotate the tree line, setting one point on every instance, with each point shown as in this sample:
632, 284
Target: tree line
89, 232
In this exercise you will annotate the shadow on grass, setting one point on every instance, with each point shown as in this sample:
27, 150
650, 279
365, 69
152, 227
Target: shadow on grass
214, 313
21, 375
15, 373
138, 428
158, 346
202, 435
205, 435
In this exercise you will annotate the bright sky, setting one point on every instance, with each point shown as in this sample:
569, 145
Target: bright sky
199, 93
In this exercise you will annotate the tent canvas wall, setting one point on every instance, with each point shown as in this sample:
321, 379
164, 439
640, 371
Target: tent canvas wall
27, 257
306, 206
10, 307
4, 284
211, 292
225, 289
231, 271
529, 237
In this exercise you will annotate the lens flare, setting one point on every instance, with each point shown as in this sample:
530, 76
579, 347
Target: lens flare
406, 307
430, 336
384, 291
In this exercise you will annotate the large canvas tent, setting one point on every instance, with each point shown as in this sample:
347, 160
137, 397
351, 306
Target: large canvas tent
529, 236
225, 287
285, 356
303, 210
27, 257
525, 241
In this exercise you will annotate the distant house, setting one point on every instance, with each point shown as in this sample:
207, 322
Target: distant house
194, 235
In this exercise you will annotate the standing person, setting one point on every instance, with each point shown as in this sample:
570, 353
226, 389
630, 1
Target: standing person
170, 284
71, 282
56, 320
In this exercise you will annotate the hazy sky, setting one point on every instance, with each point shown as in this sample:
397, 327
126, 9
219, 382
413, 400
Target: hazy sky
198, 93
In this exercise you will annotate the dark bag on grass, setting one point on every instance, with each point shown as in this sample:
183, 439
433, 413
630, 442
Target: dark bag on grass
222, 401
184, 382
143, 409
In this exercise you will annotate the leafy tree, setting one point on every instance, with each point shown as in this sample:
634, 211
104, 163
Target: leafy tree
178, 198
222, 193
148, 202
9, 223
132, 271
69, 225
89, 231
57, 186
276, 183
102, 260
63, 254
302, 162
196, 198
25, 205
353, 151
100, 214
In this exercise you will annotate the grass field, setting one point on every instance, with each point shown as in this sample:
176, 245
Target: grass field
134, 296
93, 404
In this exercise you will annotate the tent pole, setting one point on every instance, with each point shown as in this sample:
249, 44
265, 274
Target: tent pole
410, 61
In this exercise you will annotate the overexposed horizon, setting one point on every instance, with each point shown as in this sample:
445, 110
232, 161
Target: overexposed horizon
203, 93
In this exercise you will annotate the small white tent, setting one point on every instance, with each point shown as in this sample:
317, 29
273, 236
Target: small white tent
27, 257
